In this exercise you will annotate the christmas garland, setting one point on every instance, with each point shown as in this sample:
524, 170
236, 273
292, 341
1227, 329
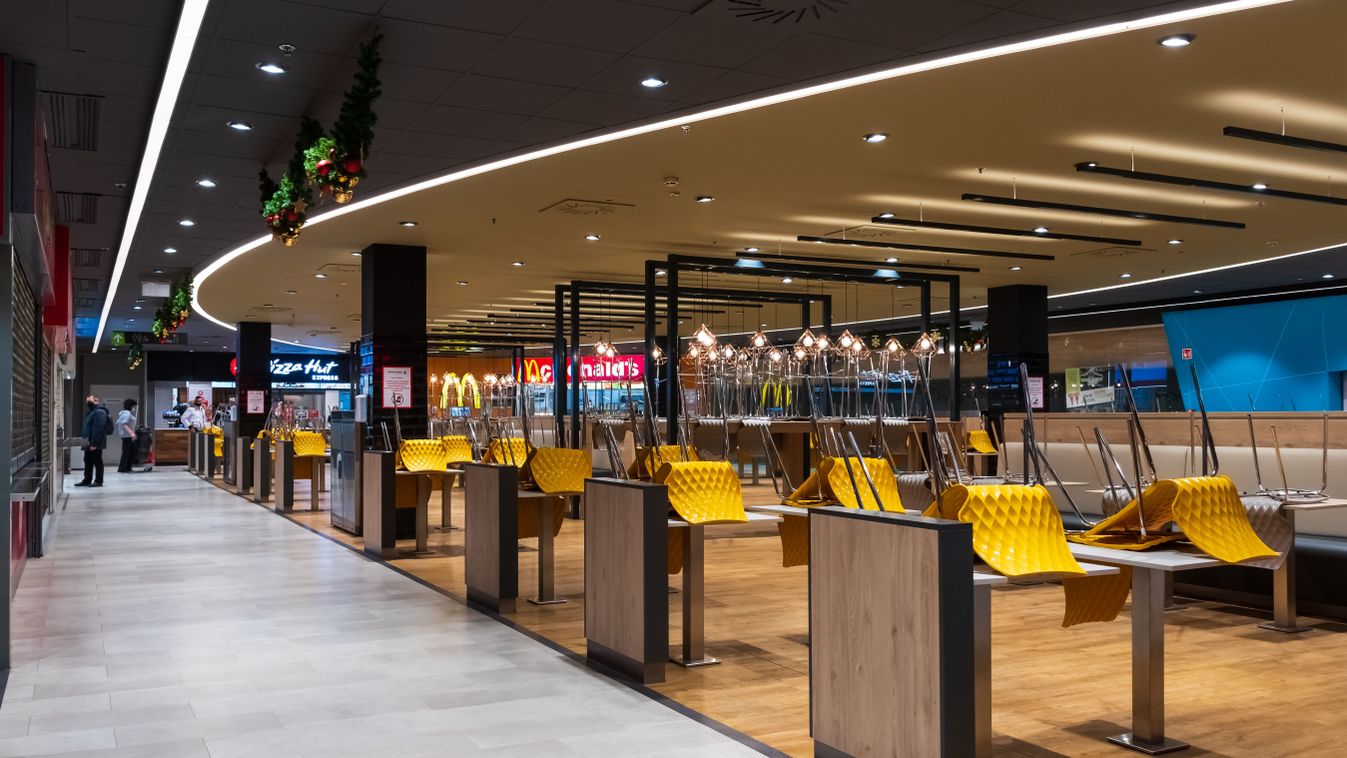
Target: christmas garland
173, 313
135, 354
336, 163
283, 203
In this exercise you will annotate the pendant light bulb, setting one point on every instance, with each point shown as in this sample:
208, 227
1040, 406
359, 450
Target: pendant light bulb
704, 336
693, 352
759, 340
727, 352
846, 340
490, 379
601, 347
822, 342
806, 340
656, 353
774, 355
924, 346
893, 346
801, 353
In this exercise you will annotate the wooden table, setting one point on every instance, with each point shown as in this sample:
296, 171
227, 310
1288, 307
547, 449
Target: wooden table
694, 588
547, 594
1149, 571
423, 490
447, 500
1284, 578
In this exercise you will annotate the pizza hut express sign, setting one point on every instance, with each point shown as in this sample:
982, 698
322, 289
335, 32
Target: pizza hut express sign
593, 368
303, 369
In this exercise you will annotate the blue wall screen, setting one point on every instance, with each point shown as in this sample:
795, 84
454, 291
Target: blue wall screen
1284, 355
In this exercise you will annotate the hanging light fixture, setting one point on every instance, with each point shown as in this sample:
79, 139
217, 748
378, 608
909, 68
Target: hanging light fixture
704, 336
610, 352
728, 352
924, 347
657, 354
846, 340
775, 355
490, 379
693, 352
857, 348
800, 353
822, 343
601, 347
759, 341
894, 347
806, 340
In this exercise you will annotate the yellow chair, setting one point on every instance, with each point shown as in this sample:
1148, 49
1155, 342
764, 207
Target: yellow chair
703, 492
1017, 530
1206, 509
557, 469
218, 434
834, 472
457, 447
309, 443
422, 455
648, 460
981, 442
515, 453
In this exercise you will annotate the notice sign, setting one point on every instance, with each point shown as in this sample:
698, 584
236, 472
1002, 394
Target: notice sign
1036, 392
256, 401
1187, 353
397, 386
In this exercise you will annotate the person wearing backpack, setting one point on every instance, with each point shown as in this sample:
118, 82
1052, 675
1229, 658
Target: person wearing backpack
96, 430
126, 431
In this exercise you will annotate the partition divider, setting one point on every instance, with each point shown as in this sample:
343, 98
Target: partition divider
626, 577
192, 450
491, 526
379, 500
243, 465
261, 470
891, 627
285, 476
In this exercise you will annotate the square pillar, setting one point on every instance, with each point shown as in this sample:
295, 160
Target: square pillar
393, 335
252, 350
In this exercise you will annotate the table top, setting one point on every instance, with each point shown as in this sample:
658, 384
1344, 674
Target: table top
1329, 504
779, 510
1173, 559
753, 519
983, 577
420, 473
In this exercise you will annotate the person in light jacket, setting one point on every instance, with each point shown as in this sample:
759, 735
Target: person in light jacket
95, 434
126, 430
195, 416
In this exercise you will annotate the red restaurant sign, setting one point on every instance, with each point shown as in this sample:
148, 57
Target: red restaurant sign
593, 368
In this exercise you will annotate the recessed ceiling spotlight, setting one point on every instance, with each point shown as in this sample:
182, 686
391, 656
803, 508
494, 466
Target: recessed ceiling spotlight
320, 275
786, 280
750, 250
886, 215
875, 137
1124, 275
186, 222
705, 198
890, 259
593, 237
268, 67
462, 282
159, 271
408, 224
1260, 186
170, 250
355, 254
137, 308
130, 321
292, 292
1040, 230
1016, 268
517, 264
1092, 164
239, 126
1327, 276
1176, 40
120, 185
660, 272
206, 182
654, 82
1176, 242
1197, 292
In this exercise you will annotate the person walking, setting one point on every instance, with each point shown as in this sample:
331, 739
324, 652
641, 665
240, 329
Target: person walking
126, 430
97, 426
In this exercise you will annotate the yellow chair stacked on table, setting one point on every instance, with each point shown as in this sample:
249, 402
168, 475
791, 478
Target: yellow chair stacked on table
422, 455
510, 451
981, 442
648, 460
457, 447
218, 434
559, 469
700, 492
309, 443
1018, 531
1206, 510
831, 485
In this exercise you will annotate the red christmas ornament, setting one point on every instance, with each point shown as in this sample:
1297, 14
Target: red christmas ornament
291, 215
351, 165
324, 166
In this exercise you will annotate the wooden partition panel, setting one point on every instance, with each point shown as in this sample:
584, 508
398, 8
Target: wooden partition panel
891, 634
191, 450
1294, 430
243, 465
261, 470
379, 501
283, 470
490, 541
626, 577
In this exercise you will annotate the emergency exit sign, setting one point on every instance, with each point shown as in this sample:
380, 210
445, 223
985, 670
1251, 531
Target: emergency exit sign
1187, 353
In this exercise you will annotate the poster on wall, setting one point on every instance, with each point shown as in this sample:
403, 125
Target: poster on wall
1036, 392
1089, 385
256, 401
201, 390
397, 384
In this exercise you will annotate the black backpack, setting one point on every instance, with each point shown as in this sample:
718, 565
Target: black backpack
108, 428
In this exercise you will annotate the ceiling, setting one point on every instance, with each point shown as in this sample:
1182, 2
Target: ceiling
1008, 126
462, 82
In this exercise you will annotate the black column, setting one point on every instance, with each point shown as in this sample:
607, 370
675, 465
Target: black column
393, 331
252, 350
1017, 332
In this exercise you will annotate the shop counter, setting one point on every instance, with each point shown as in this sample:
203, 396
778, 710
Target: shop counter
170, 447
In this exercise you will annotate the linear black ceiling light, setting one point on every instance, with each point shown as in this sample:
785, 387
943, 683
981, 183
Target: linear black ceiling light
851, 261
1284, 140
1020, 202
924, 248
1183, 181
1005, 232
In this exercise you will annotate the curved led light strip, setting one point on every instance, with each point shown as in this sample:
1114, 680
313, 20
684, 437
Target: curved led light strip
781, 97
184, 39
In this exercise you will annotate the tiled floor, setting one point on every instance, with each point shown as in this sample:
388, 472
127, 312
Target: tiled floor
173, 619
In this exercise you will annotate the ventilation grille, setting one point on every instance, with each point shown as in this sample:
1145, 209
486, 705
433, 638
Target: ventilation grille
576, 207
87, 257
75, 120
869, 232
83, 286
340, 269
77, 207
86, 302
777, 11
1113, 252
261, 310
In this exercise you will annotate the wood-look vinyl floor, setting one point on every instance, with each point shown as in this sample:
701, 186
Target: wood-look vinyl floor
1233, 689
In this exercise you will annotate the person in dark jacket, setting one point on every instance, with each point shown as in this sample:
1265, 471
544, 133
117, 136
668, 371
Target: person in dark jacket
126, 431
95, 434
